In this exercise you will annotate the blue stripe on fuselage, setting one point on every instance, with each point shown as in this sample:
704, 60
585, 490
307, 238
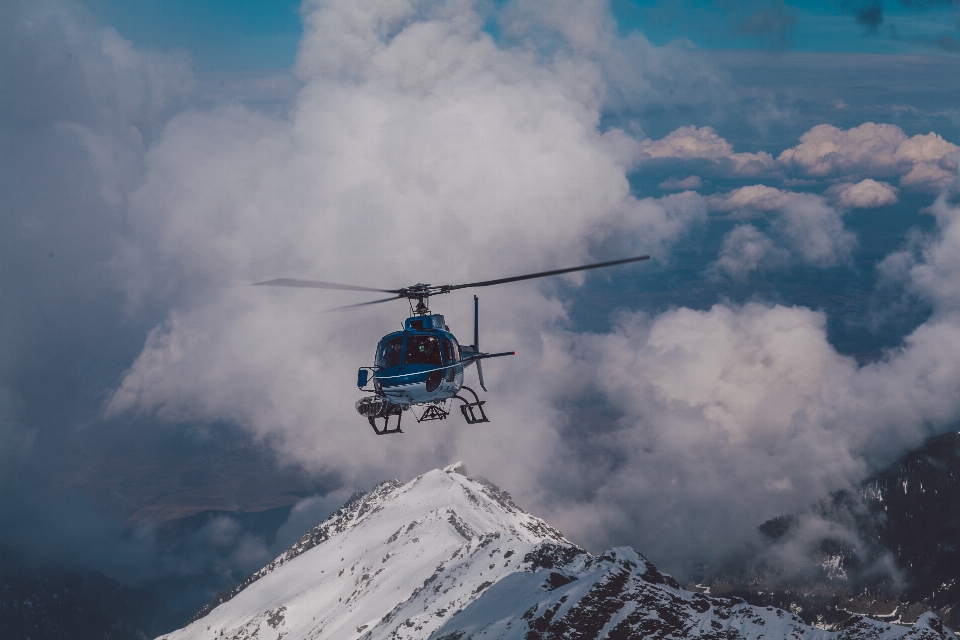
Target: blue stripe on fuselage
404, 375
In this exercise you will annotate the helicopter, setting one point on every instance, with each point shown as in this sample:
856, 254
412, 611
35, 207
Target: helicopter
423, 365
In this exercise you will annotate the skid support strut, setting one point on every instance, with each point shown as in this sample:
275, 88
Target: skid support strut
375, 408
386, 424
470, 410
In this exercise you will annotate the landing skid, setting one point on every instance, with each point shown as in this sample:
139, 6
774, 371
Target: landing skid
471, 409
386, 424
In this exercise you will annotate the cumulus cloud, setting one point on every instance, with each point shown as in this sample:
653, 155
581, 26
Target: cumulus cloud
806, 228
815, 232
923, 162
751, 201
418, 151
746, 249
866, 194
930, 265
751, 402
704, 143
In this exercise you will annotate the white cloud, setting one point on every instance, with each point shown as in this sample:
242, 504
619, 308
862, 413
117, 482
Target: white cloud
934, 274
418, 151
751, 201
805, 227
746, 249
866, 194
734, 415
693, 143
815, 232
924, 162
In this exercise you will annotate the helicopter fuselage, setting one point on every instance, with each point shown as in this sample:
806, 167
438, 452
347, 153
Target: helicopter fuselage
420, 364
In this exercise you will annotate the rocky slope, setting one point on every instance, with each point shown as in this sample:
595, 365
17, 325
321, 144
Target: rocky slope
893, 551
448, 557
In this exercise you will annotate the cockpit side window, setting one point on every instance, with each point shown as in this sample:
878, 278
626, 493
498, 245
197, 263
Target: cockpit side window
391, 352
448, 354
423, 350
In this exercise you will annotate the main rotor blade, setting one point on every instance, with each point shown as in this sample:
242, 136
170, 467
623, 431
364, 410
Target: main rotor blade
316, 284
544, 274
363, 304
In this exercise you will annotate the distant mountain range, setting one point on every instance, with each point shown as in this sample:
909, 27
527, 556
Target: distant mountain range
891, 549
448, 557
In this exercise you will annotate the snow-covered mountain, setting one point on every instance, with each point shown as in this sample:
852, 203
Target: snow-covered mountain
453, 558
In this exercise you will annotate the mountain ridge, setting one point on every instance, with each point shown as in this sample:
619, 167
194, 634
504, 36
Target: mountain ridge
892, 552
448, 557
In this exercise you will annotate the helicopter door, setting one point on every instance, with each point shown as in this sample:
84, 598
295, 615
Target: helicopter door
423, 349
449, 360
456, 356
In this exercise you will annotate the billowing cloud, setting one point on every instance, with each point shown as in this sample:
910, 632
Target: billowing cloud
703, 143
866, 194
930, 266
748, 401
751, 201
815, 232
806, 228
924, 162
418, 151
80, 106
746, 249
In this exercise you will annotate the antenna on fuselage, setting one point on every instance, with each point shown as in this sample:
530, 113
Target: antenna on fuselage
476, 337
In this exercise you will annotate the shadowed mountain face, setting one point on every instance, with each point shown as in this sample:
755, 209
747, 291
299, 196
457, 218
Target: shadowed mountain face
453, 558
891, 550
194, 558
49, 602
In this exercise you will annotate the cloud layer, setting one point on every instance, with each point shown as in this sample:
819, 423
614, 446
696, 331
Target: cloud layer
924, 162
420, 148
751, 402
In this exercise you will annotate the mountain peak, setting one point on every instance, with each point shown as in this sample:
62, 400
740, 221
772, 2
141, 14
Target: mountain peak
457, 467
392, 562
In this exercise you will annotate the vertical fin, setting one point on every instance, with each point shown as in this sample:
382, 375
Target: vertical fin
476, 323
476, 337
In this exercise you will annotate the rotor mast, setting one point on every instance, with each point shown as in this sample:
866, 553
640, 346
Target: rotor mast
421, 293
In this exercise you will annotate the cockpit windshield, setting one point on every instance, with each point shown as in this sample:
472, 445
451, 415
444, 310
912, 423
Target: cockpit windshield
391, 352
423, 350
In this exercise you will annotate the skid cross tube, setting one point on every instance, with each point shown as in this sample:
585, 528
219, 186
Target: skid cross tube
470, 409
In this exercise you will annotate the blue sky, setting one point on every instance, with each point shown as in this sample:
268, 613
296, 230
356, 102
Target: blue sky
231, 35
829, 26
221, 35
